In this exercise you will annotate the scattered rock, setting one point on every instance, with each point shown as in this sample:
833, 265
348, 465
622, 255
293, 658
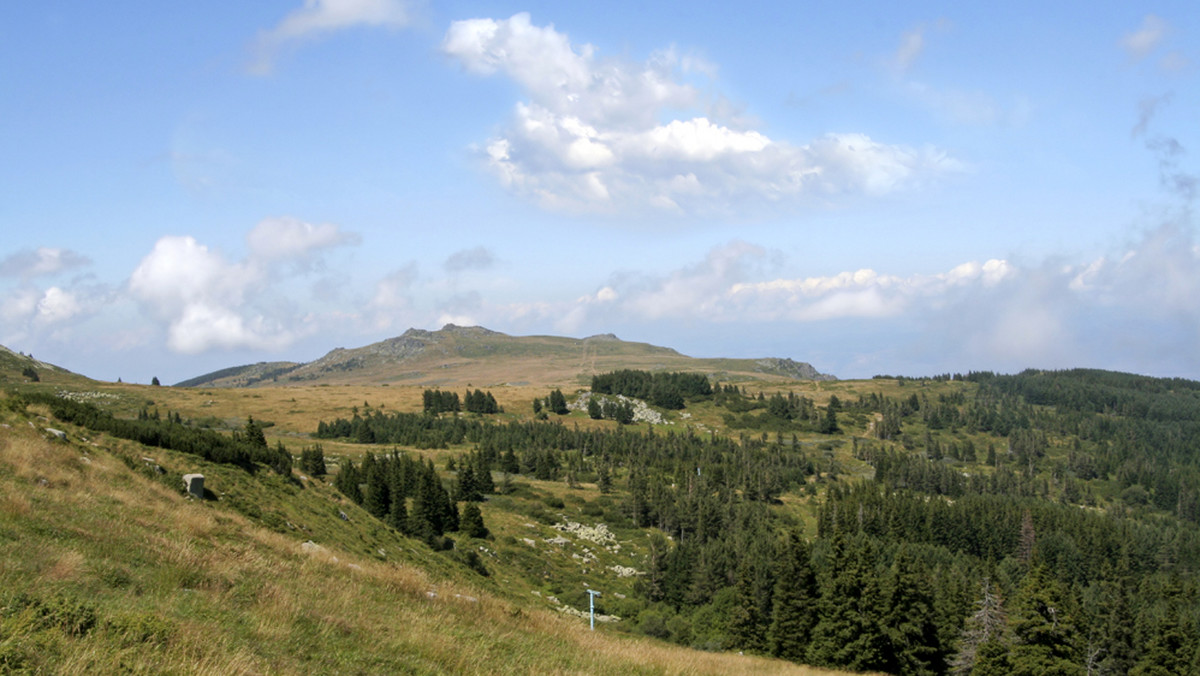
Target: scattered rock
641, 410
59, 434
529, 542
342, 515
311, 547
583, 614
354, 566
431, 594
599, 534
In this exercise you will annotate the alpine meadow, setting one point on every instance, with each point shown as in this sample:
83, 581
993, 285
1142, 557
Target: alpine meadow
428, 337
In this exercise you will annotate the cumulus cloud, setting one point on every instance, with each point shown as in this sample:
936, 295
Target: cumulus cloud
1139, 43
40, 262
57, 305
607, 135
320, 17
199, 294
208, 301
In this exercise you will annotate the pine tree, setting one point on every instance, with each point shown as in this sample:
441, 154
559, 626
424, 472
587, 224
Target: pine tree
793, 610
910, 626
849, 631
347, 481
1043, 628
312, 461
467, 489
377, 499
472, 521
282, 460
483, 475
558, 403
253, 434
397, 516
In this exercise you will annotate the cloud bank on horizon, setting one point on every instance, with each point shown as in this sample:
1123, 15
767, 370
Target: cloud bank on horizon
582, 141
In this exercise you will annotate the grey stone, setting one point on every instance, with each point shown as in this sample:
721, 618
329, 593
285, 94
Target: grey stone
195, 485
57, 433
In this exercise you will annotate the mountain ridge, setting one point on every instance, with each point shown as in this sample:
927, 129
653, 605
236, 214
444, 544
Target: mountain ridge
456, 355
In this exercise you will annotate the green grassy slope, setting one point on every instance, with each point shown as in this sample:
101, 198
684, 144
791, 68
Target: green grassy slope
106, 566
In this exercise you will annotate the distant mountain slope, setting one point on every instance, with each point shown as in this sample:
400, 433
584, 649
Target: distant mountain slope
458, 355
15, 366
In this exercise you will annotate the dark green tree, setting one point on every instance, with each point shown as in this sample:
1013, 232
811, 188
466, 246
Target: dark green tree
254, 435
467, 489
471, 522
849, 632
282, 460
558, 403
1043, 629
793, 610
397, 516
312, 461
910, 625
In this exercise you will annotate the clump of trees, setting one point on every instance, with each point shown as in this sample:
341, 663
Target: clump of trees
407, 495
670, 390
478, 401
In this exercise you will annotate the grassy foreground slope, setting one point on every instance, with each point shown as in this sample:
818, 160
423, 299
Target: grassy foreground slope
106, 567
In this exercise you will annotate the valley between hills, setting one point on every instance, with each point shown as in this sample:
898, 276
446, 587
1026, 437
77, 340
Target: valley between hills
446, 501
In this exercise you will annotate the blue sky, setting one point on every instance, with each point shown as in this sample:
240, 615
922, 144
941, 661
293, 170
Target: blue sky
874, 188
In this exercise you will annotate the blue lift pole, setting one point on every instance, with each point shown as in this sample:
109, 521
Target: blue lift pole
592, 594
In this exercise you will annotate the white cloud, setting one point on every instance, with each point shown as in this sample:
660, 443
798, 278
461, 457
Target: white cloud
208, 301
318, 17
57, 305
616, 136
1139, 43
291, 238
476, 258
40, 262
19, 306
199, 294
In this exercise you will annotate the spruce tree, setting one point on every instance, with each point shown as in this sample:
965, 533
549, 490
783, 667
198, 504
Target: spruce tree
794, 602
1043, 627
910, 626
397, 516
483, 474
849, 631
472, 521
467, 489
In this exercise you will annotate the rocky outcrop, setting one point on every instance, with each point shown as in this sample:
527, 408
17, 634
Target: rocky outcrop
792, 369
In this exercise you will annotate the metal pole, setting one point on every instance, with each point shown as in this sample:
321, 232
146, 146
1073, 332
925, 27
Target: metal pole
592, 594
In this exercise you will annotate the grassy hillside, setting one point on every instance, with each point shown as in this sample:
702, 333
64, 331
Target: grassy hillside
893, 508
106, 566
